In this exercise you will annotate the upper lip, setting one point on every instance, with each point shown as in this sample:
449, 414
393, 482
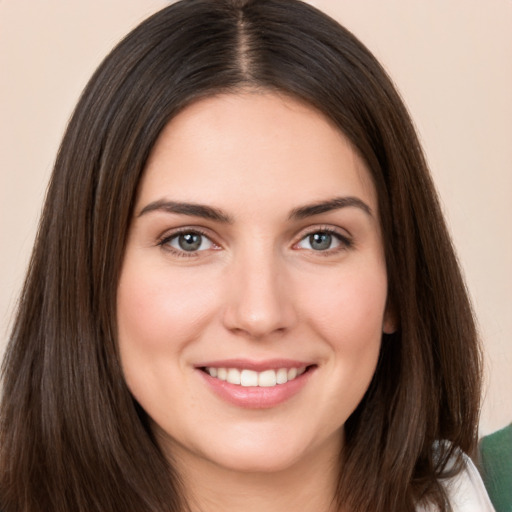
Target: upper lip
258, 366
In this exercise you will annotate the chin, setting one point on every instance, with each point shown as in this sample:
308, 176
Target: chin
270, 452
264, 461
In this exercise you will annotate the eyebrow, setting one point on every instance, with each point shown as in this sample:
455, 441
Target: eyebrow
212, 213
192, 209
336, 203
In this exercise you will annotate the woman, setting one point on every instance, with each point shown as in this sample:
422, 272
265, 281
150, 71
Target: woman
242, 293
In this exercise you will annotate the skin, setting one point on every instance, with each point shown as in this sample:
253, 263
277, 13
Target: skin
256, 289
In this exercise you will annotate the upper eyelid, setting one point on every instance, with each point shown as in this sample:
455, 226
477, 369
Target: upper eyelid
171, 233
342, 232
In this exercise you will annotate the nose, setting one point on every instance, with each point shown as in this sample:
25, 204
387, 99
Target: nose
259, 300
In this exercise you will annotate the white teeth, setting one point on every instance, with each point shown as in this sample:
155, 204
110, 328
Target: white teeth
250, 378
282, 376
267, 379
233, 376
292, 373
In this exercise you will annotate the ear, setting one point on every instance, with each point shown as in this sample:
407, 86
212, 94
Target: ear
390, 321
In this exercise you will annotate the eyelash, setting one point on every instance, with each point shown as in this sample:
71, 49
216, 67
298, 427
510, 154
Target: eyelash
345, 242
166, 239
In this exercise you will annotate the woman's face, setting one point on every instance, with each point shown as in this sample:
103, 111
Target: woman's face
252, 296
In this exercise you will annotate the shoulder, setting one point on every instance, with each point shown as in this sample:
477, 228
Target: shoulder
466, 491
496, 466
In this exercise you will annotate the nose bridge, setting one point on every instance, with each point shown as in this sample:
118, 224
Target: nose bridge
258, 299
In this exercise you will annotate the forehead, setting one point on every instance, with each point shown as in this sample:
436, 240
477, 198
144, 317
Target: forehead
274, 146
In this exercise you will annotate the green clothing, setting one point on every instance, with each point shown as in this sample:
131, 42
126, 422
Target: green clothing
496, 467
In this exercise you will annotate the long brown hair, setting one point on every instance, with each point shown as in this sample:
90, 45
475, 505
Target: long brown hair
72, 438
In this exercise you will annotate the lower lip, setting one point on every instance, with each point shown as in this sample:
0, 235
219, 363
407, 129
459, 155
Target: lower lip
255, 397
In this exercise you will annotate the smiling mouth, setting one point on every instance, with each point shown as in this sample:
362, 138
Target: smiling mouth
250, 378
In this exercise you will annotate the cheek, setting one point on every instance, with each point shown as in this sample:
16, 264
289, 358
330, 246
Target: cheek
348, 316
348, 312
160, 312
156, 306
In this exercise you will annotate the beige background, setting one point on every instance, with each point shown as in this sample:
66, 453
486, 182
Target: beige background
451, 59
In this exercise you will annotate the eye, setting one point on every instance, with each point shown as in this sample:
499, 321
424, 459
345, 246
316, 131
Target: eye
323, 240
188, 242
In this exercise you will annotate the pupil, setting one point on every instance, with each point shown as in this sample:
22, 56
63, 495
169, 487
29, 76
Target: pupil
189, 241
320, 241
